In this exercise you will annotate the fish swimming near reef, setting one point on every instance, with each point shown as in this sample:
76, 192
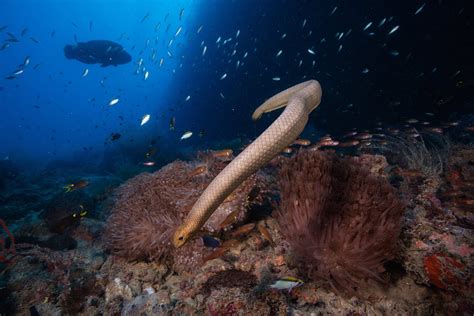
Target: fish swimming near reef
76, 185
106, 53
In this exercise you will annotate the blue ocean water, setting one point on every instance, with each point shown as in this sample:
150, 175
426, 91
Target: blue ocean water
397, 80
369, 76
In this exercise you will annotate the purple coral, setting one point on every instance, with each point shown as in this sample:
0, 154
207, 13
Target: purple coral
341, 222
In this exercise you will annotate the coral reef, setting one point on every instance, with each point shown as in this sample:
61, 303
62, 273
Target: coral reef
458, 192
437, 243
73, 273
340, 220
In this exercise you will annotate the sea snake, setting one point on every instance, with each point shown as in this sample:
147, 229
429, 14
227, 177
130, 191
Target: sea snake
300, 100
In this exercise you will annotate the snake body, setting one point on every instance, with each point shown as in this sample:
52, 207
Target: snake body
300, 100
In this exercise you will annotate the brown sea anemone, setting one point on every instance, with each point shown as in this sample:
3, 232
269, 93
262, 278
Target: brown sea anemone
142, 221
148, 208
341, 222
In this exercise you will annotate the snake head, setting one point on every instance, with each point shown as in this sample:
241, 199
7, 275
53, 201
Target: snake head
180, 237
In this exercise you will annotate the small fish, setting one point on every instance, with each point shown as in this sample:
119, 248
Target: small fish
172, 123
252, 195
115, 136
82, 212
394, 53
201, 133
181, 13
283, 36
85, 72
34, 40
186, 135
145, 119
197, 171
243, 230
265, 233
333, 10
187, 98
146, 75
145, 17
113, 102
393, 30
279, 53
286, 283
349, 143
436, 130
219, 252
11, 35
365, 70
5, 46
90, 26
287, 150
382, 22
311, 51
412, 121
230, 219
178, 31
367, 26
18, 72
26, 62
204, 50
302, 142
328, 143
304, 23
76, 185
151, 152
210, 242
223, 76
276, 78
149, 163
225, 153
420, 8
364, 136
24, 31
199, 29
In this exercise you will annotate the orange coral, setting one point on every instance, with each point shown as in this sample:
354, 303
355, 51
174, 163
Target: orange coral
341, 221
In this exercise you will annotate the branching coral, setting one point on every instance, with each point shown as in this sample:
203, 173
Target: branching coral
341, 222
